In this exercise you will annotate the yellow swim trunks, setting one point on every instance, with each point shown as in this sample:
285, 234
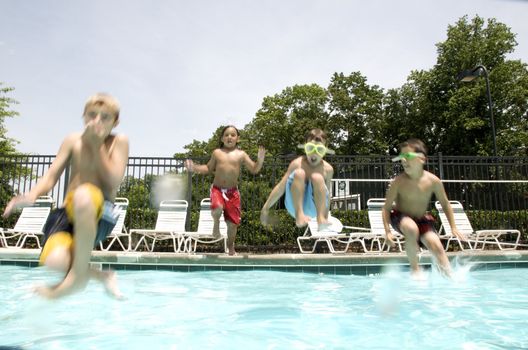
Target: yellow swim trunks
58, 230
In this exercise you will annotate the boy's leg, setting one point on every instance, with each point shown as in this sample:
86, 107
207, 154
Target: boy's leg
82, 211
86, 209
216, 213
320, 198
410, 230
231, 236
297, 191
85, 226
433, 244
217, 208
59, 259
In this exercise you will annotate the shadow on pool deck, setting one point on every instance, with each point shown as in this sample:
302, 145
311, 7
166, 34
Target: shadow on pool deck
360, 264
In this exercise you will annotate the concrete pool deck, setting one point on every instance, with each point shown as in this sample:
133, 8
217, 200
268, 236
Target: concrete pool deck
351, 263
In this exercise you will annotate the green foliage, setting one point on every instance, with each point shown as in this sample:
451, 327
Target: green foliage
458, 111
7, 145
138, 191
356, 115
450, 116
283, 119
253, 237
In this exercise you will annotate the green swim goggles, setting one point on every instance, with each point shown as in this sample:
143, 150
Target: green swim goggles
311, 148
407, 156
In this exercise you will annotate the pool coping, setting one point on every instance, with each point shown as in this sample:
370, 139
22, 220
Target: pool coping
351, 263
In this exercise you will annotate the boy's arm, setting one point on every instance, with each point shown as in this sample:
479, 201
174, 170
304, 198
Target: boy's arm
276, 193
329, 172
112, 165
392, 193
253, 167
441, 195
48, 180
202, 169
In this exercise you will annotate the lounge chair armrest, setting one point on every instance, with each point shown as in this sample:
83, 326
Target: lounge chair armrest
506, 230
146, 230
356, 228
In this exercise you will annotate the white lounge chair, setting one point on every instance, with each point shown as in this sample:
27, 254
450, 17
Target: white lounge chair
29, 224
170, 224
204, 233
336, 233
464, 226
119, 232
377, 229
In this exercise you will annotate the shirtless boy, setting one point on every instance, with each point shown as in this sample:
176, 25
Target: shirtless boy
97, 160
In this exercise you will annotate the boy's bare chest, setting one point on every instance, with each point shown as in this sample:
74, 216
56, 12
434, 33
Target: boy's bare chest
229, 158
85, 159
414, 190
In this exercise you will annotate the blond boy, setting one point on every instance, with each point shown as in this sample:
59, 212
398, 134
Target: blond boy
97, 159
411, 192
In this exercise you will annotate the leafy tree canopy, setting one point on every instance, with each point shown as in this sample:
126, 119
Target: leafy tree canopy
7, 145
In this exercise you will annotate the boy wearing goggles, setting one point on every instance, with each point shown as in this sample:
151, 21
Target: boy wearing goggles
411, 194
305, 184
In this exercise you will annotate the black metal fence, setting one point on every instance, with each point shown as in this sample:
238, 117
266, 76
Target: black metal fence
480, 183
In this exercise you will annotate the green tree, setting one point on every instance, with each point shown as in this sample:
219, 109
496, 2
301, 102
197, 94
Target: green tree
356, 115
403, 111
7, 145
283, 119
453, 117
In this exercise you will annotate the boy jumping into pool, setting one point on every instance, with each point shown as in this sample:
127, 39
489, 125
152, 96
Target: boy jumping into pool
306, 184
97, 160
225, 164
411, 192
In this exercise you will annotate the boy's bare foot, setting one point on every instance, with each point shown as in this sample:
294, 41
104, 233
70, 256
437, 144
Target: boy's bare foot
232, 252
302, 221
418, 275
110, 284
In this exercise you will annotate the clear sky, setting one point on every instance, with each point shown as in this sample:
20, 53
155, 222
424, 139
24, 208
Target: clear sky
182, 68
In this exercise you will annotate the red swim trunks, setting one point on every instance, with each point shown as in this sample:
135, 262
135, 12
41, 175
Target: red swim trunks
425, 223
229, 199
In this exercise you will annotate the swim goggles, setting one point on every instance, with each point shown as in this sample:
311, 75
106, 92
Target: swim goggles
407, 156
319, 148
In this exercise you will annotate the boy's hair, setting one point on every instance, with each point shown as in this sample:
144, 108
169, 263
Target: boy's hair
103, 99
224, 129
416, 144
317, 135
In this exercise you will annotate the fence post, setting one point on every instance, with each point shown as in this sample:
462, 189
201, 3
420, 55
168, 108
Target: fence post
440, 165
189, 201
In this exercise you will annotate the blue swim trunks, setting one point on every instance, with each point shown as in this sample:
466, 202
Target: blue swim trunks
308, 202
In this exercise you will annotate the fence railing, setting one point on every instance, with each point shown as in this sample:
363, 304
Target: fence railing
480, 183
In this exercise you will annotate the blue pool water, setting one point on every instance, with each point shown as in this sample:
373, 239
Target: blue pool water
270, 310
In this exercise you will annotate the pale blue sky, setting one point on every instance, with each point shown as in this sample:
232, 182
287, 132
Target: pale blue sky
182, 68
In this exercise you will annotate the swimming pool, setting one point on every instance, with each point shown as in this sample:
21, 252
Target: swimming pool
270, 310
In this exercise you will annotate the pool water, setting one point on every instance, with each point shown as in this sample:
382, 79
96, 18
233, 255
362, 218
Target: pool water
270, 310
